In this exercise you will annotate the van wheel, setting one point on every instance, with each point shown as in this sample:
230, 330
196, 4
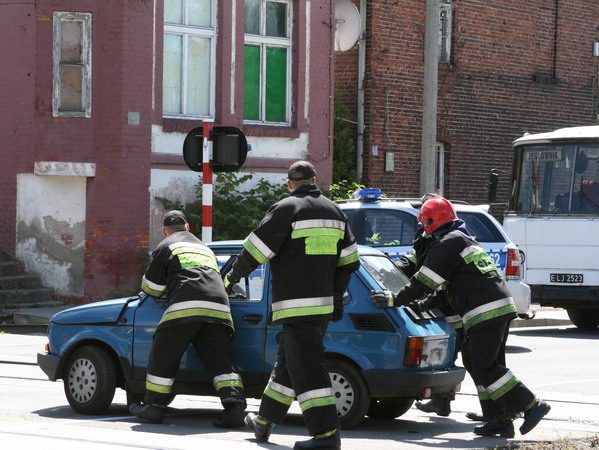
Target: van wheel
389, 408
586, 319
89, 380
351, 393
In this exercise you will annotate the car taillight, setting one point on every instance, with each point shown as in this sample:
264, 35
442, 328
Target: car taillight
513, 269
414, 351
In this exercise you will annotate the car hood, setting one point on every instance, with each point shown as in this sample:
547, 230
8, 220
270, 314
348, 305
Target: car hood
107, 311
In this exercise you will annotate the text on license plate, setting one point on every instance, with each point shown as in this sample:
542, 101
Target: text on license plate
566, 278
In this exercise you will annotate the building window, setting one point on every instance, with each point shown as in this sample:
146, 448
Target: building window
267, 57
445, 32
188, 63
440, 168
72, 93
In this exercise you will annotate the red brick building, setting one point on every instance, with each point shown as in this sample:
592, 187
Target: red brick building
506, 67
97, 98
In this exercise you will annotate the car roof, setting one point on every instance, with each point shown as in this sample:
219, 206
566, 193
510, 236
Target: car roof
406, 204
363, 250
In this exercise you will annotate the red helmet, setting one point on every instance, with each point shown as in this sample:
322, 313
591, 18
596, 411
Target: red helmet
434, 212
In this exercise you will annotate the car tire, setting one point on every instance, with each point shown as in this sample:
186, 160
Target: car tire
389, 408
587, 319
89, 380
351, 393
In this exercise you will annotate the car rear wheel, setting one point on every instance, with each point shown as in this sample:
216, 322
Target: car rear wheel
587, 319
90, 380
351, 393
389, 408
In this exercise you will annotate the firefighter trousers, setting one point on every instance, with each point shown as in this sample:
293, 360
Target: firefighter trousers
502, 396
300, 373
213, 345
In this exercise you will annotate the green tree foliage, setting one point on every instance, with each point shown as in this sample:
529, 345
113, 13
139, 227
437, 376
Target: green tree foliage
235, 212
344, 147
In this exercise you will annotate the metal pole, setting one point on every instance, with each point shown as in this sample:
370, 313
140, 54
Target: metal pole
207, 182
429, 97
361, 71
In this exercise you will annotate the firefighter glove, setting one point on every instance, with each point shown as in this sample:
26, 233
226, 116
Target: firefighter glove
418, 305
231, 280
337, 307
382, 299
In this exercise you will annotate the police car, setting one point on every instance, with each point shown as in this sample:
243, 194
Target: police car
389, 224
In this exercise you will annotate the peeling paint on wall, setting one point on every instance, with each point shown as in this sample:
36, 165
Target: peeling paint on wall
51, 230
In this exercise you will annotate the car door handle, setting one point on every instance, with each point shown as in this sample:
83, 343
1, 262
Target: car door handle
252, 317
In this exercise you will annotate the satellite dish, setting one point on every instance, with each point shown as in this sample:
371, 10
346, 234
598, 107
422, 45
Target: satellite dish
348, 25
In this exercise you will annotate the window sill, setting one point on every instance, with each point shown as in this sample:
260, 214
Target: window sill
270, 131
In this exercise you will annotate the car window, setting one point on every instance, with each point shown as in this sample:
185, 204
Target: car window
481, 227
382, 227
250, 288
382, 269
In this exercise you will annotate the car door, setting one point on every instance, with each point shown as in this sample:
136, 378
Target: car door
249, 309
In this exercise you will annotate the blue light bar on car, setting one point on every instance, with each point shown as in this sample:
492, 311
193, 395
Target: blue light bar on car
370, 194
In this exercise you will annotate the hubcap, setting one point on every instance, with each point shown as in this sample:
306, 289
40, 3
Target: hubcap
83, 380
344, 393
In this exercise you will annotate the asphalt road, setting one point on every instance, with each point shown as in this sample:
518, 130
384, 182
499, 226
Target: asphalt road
559, 364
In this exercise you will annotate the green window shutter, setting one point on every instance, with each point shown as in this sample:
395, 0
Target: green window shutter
251, 78
276, 84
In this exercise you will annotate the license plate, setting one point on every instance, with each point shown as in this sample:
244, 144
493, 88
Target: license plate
566, 278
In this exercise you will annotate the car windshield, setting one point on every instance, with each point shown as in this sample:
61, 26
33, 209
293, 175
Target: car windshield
382, 269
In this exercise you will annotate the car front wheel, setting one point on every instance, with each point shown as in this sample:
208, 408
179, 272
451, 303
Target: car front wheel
89, 380
351, 393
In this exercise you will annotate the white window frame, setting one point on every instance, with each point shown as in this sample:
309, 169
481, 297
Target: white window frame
445, 24
263, 42
86, 64
440, 168
187, 31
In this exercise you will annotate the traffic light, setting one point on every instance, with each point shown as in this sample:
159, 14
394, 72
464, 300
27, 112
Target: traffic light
229, 149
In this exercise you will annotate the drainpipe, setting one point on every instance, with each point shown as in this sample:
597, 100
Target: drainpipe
361, 70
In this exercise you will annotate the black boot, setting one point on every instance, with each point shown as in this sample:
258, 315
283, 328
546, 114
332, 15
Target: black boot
151, 413
533, 416
231, 417
261, 426
476, 416
438, 405
331, 440
503, 428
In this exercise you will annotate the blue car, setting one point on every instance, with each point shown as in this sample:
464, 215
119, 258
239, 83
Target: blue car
379, 360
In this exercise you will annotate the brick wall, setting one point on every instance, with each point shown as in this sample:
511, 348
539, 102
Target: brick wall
487, 96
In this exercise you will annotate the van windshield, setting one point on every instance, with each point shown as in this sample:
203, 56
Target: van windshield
382, 269
556, 178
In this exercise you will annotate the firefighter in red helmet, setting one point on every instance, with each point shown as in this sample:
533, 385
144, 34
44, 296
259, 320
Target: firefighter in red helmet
477, 292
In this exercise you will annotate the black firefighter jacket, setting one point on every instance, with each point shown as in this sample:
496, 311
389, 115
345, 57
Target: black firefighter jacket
312, 255
475, 289
187, 270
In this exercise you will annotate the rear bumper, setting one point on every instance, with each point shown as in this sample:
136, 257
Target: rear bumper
579, 297
397, 383
49, 365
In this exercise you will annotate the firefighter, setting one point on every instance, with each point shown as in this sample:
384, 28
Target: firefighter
476, 292
440, 403
312, 255
198, 312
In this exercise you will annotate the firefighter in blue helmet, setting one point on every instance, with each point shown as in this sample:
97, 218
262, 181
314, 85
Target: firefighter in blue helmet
479, 295
312, 255
198, 313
